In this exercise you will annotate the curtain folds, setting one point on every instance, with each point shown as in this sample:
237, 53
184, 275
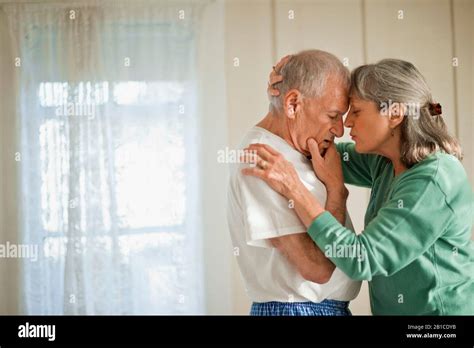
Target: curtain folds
108, 115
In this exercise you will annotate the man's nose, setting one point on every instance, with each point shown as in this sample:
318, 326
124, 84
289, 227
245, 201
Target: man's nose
338, 128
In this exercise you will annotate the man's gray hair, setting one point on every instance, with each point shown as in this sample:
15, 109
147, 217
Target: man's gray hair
308, 72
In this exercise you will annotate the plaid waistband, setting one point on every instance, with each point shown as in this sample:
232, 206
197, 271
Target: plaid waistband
324, 308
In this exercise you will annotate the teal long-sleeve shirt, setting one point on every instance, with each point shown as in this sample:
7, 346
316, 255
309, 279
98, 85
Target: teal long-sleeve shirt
416, 249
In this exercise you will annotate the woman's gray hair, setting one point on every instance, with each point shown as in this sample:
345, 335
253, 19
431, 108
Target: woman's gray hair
397, 82
308, 71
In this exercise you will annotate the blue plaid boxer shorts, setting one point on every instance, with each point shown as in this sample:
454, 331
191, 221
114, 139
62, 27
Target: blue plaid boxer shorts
324, 308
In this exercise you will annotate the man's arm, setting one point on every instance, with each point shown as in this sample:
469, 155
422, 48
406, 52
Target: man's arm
304, 254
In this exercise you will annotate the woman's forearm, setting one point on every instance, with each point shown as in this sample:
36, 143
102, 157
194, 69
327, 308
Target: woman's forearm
336, 203
306, 205
308, 208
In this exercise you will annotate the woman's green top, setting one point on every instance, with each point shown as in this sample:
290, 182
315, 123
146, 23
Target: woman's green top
416, 249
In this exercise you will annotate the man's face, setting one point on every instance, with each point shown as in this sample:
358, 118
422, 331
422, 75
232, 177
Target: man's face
320, 118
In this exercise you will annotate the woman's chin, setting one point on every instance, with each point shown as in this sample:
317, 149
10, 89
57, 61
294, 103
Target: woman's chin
358, 147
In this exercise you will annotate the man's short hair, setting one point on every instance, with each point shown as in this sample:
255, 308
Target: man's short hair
308, 72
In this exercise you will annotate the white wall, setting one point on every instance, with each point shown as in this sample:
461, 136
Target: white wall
463, 49
9, 267
214, 176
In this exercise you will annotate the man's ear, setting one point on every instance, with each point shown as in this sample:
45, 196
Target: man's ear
292, 103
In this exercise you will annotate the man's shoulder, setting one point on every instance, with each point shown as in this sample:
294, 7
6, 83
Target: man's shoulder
249, 185
255, 135
262, 136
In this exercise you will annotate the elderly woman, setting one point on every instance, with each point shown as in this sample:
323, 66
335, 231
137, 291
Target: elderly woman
417, 248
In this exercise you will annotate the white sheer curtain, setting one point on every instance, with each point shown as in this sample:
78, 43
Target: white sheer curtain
109, 129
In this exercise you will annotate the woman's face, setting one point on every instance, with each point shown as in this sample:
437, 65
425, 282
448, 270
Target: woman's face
369, 129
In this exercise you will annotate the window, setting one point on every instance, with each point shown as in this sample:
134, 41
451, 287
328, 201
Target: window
110, 170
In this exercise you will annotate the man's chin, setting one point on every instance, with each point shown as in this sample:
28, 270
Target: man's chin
327, 145
306, 153
322, 151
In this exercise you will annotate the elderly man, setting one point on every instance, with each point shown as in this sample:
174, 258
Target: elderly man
279, 262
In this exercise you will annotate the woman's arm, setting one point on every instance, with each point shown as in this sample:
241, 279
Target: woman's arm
399, 233
308, 208
358, 169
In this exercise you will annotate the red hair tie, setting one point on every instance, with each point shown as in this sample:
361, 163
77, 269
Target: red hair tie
435, 109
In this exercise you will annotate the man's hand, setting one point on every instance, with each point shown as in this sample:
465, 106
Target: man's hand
327, 167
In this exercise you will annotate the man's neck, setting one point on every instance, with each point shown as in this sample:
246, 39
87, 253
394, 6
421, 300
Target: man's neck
274, 123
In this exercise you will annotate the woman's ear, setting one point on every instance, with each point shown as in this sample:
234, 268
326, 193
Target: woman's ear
292, 103
396, 114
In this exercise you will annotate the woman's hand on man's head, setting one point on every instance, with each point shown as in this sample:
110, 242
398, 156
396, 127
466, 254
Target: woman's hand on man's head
274, 78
